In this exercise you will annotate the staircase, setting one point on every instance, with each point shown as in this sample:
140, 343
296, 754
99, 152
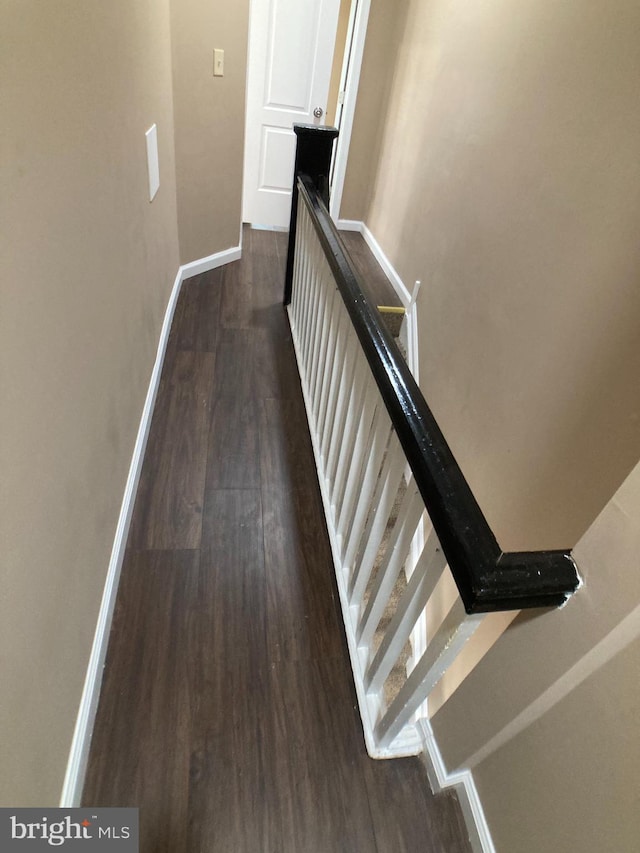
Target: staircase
398, 509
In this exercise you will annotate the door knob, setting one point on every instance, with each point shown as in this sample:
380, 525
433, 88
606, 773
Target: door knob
318, 112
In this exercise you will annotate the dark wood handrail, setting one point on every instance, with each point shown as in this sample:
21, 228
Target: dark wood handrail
487, 578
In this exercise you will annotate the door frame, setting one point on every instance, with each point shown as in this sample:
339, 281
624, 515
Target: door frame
349, 81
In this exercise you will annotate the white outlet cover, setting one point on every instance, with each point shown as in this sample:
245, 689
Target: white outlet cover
152, 161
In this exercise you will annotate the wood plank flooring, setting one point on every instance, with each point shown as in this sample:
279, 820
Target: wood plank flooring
378, 286
228, 713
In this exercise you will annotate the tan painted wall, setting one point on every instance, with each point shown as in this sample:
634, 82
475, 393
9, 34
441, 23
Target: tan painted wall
580, 794
209, 115
507, 182
385, 30
87, 264
549, 719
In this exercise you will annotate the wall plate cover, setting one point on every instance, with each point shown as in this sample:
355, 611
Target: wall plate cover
218, 62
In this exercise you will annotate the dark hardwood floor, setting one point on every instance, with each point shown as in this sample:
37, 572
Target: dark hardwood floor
378, 286
228, 713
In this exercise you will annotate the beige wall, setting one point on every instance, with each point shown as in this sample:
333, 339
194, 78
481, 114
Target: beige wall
507, 182
580, 792
209, 115
549, 718
385, 30
87, 266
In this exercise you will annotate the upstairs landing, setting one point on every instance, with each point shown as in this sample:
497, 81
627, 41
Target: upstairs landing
228, 712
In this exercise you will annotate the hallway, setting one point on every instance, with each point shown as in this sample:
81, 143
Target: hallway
228, 712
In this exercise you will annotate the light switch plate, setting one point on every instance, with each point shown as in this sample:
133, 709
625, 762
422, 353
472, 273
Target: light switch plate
218, 62
152, 161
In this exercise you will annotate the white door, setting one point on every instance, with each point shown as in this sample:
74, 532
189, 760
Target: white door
291, 46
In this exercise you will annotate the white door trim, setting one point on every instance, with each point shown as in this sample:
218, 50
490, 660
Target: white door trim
344, 71
349, 106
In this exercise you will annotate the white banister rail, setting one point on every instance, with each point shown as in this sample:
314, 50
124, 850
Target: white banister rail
366, 436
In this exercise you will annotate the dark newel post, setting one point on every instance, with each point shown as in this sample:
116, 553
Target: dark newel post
313, 158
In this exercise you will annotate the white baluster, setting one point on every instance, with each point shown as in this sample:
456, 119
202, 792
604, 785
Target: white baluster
413, 600
305, 293
320, 350
328, 357
348, 438
411, 509
362, 443
328, 417
336, 427
314, 341
383, 500
381, 432
314, 301
441, 652
310, 295
297, 264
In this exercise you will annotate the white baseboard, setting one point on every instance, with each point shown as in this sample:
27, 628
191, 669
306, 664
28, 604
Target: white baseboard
350, 225
79, 753
81, 742
211, 262
282, 229
464, 785
398, 285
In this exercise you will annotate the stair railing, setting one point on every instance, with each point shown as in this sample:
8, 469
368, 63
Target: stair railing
370, 425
